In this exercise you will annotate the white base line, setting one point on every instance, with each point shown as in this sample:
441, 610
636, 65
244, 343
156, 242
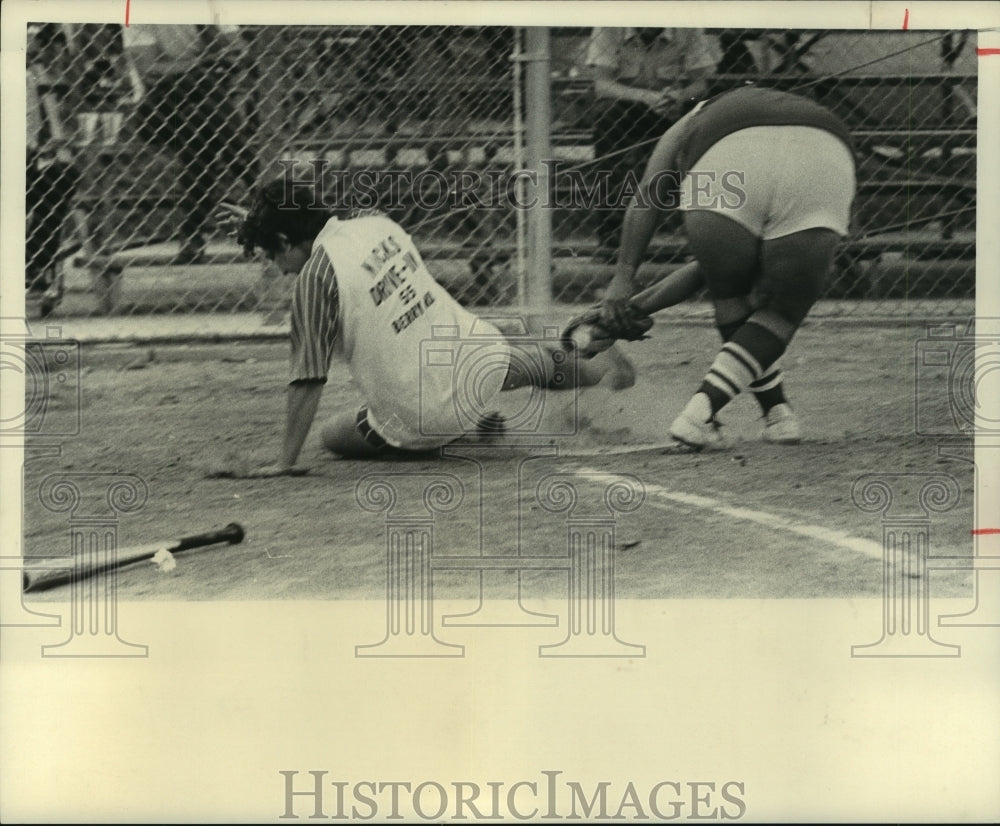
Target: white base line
834, 537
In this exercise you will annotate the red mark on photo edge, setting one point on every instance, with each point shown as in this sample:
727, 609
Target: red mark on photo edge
906, 20
984, 52
985, 531
128, 4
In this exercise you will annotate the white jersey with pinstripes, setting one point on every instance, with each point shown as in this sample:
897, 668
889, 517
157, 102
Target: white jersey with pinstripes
428, 368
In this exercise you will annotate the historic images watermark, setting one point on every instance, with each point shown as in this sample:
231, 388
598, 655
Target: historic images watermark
39, 370
50, 368
532, 500
471, 367
561, 187
49, 412
550, 795
957, 403
412, 505
957, 380
95, 503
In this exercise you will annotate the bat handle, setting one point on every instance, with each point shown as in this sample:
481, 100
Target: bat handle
233, 534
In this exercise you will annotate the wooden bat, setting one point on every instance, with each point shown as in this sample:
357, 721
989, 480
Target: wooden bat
48, 573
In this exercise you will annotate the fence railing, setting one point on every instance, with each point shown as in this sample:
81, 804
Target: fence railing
429, 124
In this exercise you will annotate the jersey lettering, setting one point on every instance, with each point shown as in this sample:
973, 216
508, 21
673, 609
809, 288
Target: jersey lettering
407, 294
385, 286
407, 318
394, 276
391, 302
385, 250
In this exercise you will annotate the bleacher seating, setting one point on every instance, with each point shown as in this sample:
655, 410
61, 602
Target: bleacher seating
916, 160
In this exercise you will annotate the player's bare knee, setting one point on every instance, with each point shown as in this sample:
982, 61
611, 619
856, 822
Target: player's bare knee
731, 310
727, 253
782, 324
791, 304
340, 436
795, 268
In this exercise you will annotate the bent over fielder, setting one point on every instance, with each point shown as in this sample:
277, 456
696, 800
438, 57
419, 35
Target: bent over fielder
763, 249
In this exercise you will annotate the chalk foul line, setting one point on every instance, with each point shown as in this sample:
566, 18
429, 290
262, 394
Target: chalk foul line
663, 497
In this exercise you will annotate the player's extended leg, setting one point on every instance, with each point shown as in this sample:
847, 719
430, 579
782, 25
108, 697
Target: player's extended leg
549, 366
341, 436
351, 436
794, 272
728, 256
781, 424
732, 283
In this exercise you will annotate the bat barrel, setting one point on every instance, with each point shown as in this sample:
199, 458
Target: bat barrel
233, 534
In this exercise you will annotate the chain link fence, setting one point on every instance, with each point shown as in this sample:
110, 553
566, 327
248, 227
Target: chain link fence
135, 134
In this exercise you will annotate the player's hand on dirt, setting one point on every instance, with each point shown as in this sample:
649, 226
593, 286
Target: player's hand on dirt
241, 467
271, 471
228, 217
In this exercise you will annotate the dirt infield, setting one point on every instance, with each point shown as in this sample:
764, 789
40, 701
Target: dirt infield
754, 520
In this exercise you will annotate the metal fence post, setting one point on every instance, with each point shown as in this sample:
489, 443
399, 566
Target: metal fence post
539, 150
517, 95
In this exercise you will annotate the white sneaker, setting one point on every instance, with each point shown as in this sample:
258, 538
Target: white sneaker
695, 427
782, 426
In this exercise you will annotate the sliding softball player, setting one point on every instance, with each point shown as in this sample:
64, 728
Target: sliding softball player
363, 291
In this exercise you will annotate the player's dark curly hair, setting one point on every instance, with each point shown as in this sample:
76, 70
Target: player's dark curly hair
282, 207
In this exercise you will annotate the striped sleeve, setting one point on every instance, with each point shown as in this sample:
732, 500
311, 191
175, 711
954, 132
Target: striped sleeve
315, 319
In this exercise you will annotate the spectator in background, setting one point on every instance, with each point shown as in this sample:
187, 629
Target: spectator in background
51, 177
645, 80
738, 57
108, 84
187, 72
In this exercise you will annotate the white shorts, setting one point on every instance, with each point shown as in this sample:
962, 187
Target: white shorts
774, 180
459, 382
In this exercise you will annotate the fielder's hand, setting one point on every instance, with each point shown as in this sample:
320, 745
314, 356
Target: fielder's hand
585, 334
627, 320
592, 332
